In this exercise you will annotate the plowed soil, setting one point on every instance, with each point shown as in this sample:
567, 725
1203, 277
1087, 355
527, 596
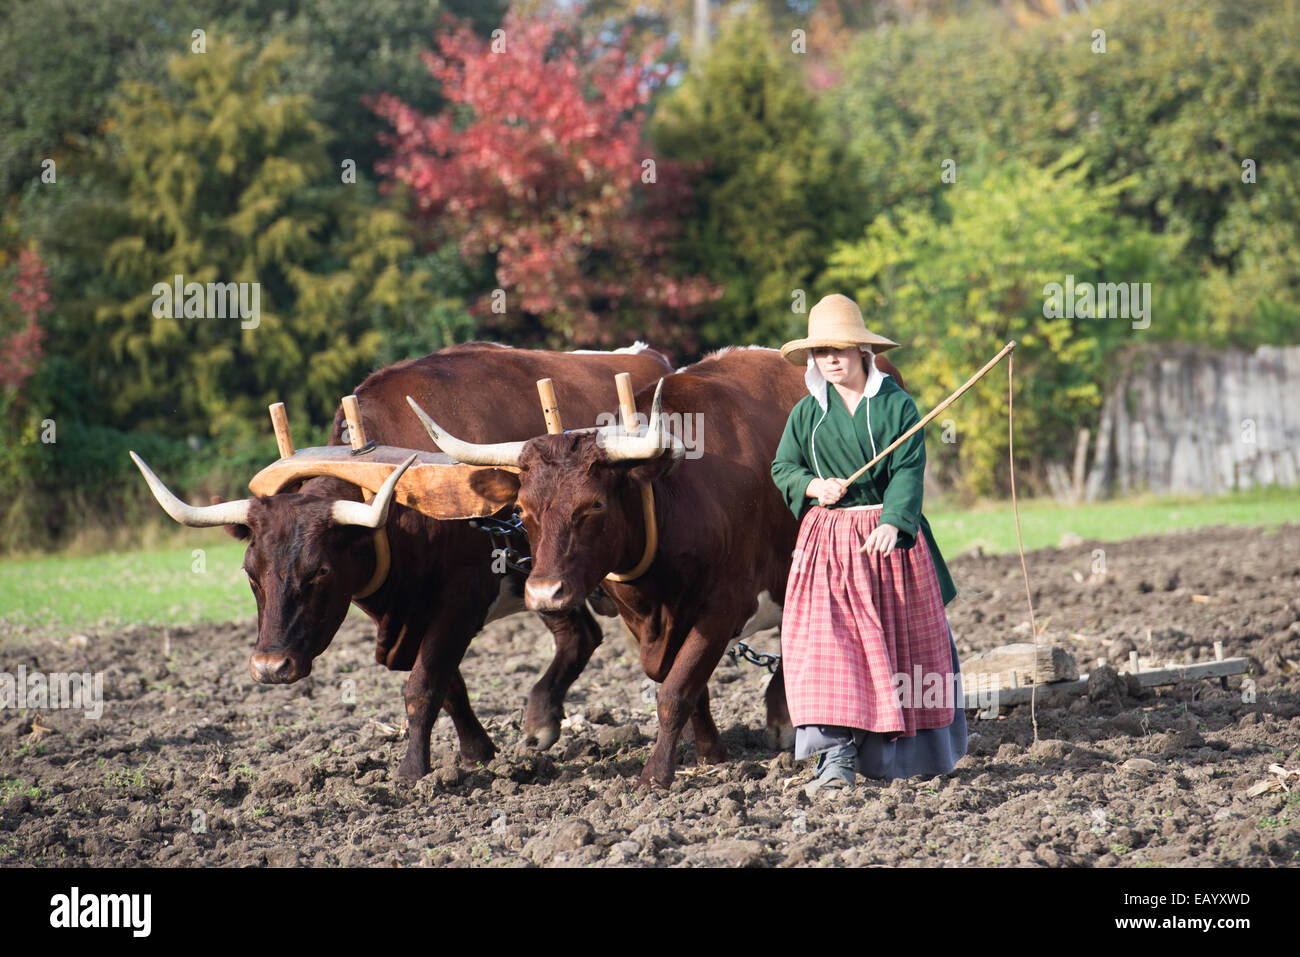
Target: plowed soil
192, 763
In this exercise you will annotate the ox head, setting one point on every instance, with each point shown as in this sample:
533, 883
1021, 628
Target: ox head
578, 494
307, 556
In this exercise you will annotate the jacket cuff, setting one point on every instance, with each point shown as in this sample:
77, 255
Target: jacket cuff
906, 529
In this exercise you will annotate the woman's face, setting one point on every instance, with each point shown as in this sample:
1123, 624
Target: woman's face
841, 366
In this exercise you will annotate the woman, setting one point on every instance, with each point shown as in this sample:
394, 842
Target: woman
871, 670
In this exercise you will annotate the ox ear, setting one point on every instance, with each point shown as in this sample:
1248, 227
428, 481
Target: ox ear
642, 473
239, 532
497, 486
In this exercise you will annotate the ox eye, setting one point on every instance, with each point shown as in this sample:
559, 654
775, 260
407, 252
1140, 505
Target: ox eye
320, 574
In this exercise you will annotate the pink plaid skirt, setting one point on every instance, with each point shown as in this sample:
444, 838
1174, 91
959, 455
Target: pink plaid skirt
864, 638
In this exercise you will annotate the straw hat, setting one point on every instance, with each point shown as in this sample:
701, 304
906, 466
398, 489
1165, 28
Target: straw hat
835, 322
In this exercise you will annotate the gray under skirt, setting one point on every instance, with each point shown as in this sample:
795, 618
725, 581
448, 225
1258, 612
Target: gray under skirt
930, 751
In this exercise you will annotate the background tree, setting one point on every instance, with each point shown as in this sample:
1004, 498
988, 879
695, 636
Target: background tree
21, 333
539, 170
229, 180
688, 27
772, 195
60, 61
954, 285
349, 52
1180, 97
20, 349
61, 87
58, 81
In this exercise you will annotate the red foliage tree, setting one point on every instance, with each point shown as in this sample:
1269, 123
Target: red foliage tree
20, 353
538, 162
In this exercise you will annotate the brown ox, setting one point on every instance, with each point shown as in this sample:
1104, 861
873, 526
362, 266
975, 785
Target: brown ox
307, 555
725, 535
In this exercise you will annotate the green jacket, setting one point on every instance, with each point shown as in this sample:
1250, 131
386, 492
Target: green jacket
835, 444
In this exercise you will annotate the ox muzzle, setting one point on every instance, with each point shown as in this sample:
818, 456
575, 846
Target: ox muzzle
277, 669
551, 594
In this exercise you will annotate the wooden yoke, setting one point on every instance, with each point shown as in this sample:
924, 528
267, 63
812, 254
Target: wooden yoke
436, 485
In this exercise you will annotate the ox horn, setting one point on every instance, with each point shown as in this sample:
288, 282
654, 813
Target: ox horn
500, 453
375, 513
623, 448
199, 516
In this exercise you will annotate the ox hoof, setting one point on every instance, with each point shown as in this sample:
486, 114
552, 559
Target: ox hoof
649, 780
543, 737
477, 752
412, 769
712, 755
779, 737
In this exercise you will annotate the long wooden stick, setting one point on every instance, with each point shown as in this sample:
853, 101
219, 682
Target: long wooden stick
933, 412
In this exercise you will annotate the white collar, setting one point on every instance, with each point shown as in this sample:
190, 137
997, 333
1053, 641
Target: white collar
818, 386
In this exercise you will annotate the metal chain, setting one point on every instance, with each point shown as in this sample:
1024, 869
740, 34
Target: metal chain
743, 650
503, 533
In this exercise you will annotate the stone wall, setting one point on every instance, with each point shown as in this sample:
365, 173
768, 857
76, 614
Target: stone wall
1182, 419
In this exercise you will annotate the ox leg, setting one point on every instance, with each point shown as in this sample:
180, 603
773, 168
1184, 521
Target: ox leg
475, 745
576, 636
424, 693
679, 699
436, 669
709, 748
779, 734
422, 704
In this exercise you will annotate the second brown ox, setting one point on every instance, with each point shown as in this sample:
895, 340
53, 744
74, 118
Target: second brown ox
725, 535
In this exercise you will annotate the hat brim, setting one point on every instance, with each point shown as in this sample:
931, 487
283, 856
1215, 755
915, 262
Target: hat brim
796, 352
